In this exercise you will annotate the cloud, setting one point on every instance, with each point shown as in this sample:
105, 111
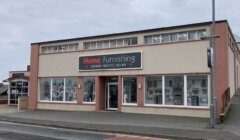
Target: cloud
39, 20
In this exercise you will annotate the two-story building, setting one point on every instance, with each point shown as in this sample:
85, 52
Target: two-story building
153, 71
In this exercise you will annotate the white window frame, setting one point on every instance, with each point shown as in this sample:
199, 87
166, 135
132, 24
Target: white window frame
84, 102
130, 104
51, 101
185, 95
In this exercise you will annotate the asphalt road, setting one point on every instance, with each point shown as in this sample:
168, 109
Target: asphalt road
14, 131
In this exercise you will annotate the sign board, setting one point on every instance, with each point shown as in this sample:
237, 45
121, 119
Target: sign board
118, 61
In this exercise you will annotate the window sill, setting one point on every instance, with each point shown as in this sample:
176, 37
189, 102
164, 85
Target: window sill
91, 103
58, 102
129, 104
176, 106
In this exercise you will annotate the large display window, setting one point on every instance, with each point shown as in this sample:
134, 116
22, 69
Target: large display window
180, 90
174, 90
89, 89
130, 90
58, 89
197, 91
153, 90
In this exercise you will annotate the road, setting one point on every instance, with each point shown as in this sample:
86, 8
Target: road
14, 131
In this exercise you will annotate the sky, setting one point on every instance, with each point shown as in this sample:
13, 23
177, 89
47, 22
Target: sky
23, 22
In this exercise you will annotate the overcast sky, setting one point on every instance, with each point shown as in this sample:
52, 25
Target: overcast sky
26, 21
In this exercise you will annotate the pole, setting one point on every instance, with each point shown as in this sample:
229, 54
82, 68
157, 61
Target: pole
213, 106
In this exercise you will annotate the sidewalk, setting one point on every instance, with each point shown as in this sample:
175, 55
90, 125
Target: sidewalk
124, 123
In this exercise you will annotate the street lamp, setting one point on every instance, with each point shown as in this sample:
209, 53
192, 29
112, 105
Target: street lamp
213, 105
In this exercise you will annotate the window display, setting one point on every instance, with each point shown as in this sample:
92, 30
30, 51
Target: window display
174, 90
197, 92
70, 89
129, 90
153, 90
57, 89
45, 89
89, 89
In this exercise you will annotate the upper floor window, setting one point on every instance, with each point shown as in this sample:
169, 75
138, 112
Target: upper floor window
59, 48
110, 43
174, 37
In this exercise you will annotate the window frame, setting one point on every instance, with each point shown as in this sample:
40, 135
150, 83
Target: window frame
130, 104
51, 91
85, 102
163, 105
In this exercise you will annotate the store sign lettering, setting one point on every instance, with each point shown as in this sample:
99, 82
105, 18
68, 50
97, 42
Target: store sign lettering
111, 61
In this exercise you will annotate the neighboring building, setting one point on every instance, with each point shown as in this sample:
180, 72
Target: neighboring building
3, 89
18, 85
154, 71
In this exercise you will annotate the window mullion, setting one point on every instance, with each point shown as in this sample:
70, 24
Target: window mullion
185, 90
163, 90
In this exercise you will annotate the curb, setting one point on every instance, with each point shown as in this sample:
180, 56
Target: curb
128, 130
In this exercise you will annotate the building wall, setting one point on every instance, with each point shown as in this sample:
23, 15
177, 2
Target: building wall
231, 71
190, 57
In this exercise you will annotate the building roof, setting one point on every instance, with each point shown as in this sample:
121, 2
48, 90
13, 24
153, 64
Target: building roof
130, 32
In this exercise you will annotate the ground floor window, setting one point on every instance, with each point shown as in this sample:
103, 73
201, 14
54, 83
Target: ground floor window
180, 90
89, 89
129, 89
153, 90
58, 89
174, 94
18, 88
197, 92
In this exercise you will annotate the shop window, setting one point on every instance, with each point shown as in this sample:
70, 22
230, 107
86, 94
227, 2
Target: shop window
70, 89
197, 90
45, 89
174, 90
57, 89
89, 89
153, 90
129, 90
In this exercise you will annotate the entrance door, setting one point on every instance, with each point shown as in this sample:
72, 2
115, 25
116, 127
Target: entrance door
112, 96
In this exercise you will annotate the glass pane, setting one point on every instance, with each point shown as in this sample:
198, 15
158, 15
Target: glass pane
93, 45
129, 90
182, 36
25, 84
174, 37
13, 84
165, 38
71, 89
119, 42
202, 33
87, 45
45, 87
197, 90
192, 35
57, 89
156, 39
113, 96
106, 44
148, 39
174, 93
99, 44
127, 41
153, 90
89, 89
134, 41
113, 43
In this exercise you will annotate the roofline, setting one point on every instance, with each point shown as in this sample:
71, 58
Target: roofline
130, 32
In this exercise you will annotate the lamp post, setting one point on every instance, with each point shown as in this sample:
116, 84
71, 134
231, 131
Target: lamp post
213, 105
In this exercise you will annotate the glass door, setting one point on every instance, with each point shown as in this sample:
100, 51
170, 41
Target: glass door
112, 96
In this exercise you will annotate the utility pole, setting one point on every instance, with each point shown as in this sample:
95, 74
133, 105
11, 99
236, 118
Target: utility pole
213, 106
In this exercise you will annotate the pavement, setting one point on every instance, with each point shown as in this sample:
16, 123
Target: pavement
170, 127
